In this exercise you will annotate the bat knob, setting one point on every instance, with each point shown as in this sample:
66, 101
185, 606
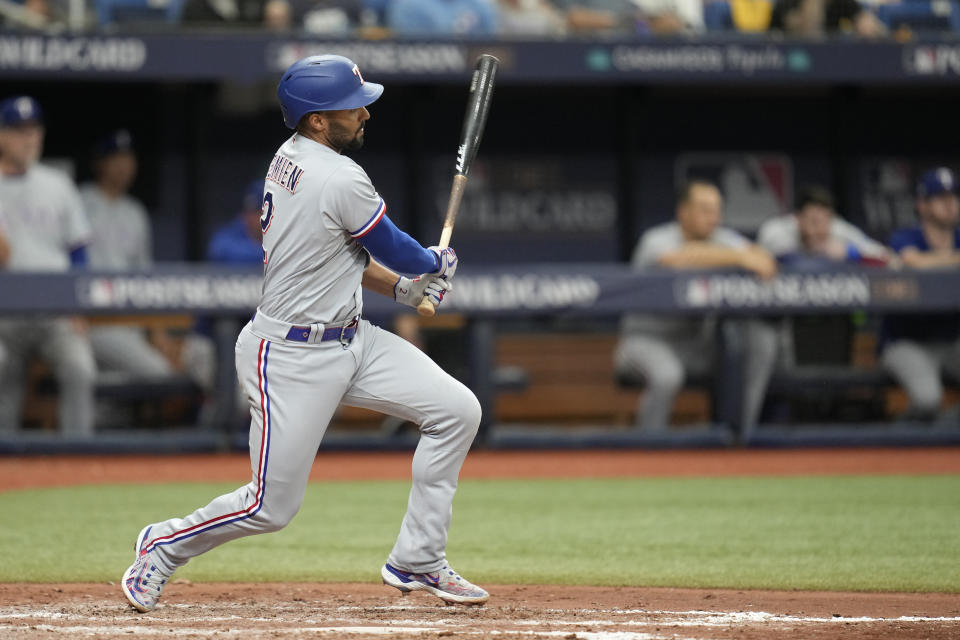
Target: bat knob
426, 308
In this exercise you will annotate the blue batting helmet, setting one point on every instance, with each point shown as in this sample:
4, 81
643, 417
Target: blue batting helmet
323, 83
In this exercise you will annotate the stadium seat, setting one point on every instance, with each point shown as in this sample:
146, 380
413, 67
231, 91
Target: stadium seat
717, 15
155, 12
921, 16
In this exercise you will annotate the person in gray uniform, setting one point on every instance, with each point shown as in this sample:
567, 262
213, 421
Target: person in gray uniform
42, 219
122, 241
815, 232
664, 350
327, 236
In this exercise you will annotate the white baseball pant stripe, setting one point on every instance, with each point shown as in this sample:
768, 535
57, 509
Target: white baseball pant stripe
260, 471
294, 389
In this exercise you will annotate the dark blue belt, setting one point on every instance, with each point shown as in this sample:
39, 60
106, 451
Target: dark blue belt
343, 334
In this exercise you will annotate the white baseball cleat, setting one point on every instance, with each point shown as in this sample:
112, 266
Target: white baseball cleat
445, 584
143, 582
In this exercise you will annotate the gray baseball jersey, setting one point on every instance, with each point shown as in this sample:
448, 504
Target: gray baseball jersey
656, 242
43, 218
781, 236
121, 231
326, 201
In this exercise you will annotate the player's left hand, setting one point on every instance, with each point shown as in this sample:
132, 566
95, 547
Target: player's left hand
411, 291
446, 261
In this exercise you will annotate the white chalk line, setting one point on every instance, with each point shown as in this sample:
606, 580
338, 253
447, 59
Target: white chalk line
346, 626
392, 631
680, 618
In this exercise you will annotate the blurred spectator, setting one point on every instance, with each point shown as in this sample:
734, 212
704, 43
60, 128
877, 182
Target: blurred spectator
32, 14
330, 17
42, 219
664, 350
812, 18
530, 18
815, 233
240, 241
122, 241
274, 14
600, 17
442, 17
916, 347
666, 17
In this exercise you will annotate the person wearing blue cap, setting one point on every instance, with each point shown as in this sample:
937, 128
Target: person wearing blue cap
917, 347
42, 218
123, 241
239, 241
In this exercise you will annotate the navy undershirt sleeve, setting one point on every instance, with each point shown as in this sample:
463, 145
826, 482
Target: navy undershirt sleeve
397, 250
78, 257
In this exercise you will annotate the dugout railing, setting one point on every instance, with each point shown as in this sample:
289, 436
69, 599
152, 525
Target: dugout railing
491, 298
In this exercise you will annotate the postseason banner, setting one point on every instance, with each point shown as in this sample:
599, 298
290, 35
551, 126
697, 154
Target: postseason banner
508, 289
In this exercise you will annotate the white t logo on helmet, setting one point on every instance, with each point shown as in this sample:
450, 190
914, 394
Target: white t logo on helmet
356, 72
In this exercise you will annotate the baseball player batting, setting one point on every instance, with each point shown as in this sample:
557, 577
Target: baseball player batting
307, 348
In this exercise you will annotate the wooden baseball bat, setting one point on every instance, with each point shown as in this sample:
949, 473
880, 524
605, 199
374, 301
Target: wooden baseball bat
478, 104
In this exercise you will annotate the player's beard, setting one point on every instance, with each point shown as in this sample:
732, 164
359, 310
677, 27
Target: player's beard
344, 139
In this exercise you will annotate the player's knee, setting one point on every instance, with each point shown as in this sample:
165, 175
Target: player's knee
467, 410
460, 419
275, 518
77, 370
926, 400
667, 378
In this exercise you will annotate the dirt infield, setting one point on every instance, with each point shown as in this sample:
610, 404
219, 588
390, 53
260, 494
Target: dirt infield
46, 471
366, 611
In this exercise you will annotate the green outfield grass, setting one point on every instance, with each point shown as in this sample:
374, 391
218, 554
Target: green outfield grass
889, 533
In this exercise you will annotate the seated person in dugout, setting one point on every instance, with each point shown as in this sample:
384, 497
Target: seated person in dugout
814, 233
43, 227
812, 237
122, 241
916, 348
663, 350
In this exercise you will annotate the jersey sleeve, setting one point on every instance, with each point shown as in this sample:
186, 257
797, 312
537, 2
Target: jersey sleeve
779, 236
729, 238
353, 201
144, 256
857, 241
77, 232
653, 245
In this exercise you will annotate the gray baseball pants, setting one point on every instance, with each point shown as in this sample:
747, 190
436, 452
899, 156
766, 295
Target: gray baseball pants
68, 353
917, 366
294, 389
665, 361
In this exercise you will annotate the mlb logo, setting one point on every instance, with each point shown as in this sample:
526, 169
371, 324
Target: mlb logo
755, 186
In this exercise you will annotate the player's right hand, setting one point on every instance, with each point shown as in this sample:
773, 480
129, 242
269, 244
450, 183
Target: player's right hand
411, 291
446, 261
